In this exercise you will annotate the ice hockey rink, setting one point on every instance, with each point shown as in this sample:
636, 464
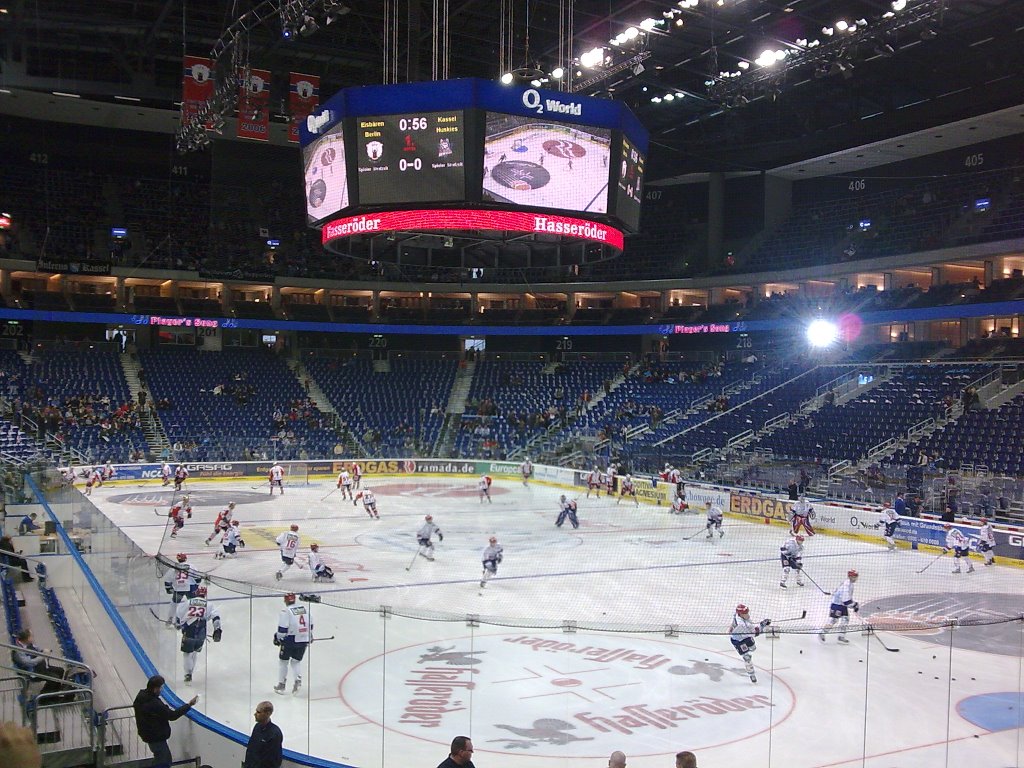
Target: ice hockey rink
612, 636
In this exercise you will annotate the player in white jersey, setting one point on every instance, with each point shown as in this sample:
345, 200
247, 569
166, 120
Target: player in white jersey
180, 582
369, 502
191, 619
742, 632
345, 484
987, 541
839, 610
230, 541
222, 522
276, 477
791, 553
800, 516
891, 521
288, 543
67, 476
317, 567
166, 472
594, 482
567, 509
715, 515
178, 513
609, 480
180, 476
676, 478
424, 536
961, 547
357, 474
526, 469
491, 558
294, 634
483, 486
627, 488
108, 471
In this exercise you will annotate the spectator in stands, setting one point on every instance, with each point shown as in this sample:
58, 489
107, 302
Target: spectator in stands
153, 720
28, 524
18, 747
793, 489
900, 505
30, 659
686, 760
264, 747
948, 515
985, 502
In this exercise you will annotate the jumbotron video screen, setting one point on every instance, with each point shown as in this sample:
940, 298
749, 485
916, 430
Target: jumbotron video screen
546, 164
326, 180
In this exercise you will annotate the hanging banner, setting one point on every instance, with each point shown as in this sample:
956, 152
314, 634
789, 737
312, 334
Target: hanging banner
196, 86
303, 99
254, 106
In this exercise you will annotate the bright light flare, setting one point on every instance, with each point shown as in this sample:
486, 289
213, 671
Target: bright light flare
822, 333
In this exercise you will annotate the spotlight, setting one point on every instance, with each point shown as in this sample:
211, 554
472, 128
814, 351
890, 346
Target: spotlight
507, 78
558, 73
899, 5
822, 333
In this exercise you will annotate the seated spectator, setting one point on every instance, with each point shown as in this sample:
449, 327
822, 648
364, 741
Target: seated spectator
9, 557
28, 658
28, 524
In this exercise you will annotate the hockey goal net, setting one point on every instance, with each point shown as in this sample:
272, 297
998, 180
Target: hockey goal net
298, 473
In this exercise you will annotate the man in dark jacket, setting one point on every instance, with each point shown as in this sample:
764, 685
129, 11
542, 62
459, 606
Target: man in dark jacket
264, 748
153, 720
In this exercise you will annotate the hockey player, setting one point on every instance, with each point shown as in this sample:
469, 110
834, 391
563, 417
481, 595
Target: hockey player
891, 521
679, 506
987, 541
594, 482
792, 553
424, 535
676, 478
180, 582
357, 474
345, 485
180, 476
526, 469
230, 541
294, 633
108, 472
491, 557
288, 543
166, 472
317, 567
956, 541
742, 632
369, 502
715, 516
222, 522
608, 479
276, 478
627, 488
178, 513
191, 619
95, 479
800, 516
567, 509
67, 476
839, 610
483, 485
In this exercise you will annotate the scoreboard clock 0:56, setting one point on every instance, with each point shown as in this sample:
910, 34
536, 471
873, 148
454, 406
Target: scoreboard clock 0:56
411, 158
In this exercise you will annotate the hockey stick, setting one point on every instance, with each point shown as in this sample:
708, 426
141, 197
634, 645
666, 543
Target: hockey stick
932, 561
162, 621
803, 615
413, 561
256, 487
805, 573
874, 633
694, 535
321, 639
324, 498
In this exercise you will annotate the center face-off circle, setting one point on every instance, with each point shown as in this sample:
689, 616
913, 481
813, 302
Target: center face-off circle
564, 148
520, 175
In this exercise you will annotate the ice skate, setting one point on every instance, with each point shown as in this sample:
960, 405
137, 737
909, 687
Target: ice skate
955, 570
297, 685
842, 639
821, 636
799, 583
753, 677
970, 568
278, 576
279, 688
188, 679
782, 584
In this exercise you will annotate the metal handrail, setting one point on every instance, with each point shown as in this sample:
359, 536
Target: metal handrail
80, 667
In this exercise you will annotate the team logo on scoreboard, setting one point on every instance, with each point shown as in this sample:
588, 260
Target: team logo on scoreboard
444, 147
374, 150
520, 175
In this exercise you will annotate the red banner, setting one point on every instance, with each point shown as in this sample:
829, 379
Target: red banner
196, 86
303, 98
254, 106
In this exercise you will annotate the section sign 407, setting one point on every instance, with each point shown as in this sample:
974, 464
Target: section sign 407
411, 158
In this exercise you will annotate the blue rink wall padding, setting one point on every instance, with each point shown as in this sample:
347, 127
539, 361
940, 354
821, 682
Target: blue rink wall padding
136, 649
994, 711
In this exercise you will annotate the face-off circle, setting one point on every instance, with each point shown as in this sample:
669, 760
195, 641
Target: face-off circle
564, 148
520, 175
317, 193
607, 692
198, 498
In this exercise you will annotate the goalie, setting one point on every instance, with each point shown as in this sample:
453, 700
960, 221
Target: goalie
742, 632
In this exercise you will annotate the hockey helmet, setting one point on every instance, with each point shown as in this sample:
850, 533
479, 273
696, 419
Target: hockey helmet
742, 610
982, 519
231, 505
294, 527
235, 523
314, 546
289, 599
200, 591
182, 557
947, 526
526, 458
493, 540
852, 574
799, 538
184, 499
562, 497
428, 518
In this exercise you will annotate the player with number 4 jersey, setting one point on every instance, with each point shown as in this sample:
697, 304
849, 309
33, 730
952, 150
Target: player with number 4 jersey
294, 634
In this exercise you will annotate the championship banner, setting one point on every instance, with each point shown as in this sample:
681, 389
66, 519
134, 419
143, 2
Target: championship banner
303, 99
196, 86
254, 106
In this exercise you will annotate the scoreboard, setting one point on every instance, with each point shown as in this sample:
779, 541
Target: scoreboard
411, 158
473, 143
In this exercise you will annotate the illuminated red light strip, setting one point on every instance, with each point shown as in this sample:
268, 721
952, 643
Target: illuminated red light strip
445, 219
